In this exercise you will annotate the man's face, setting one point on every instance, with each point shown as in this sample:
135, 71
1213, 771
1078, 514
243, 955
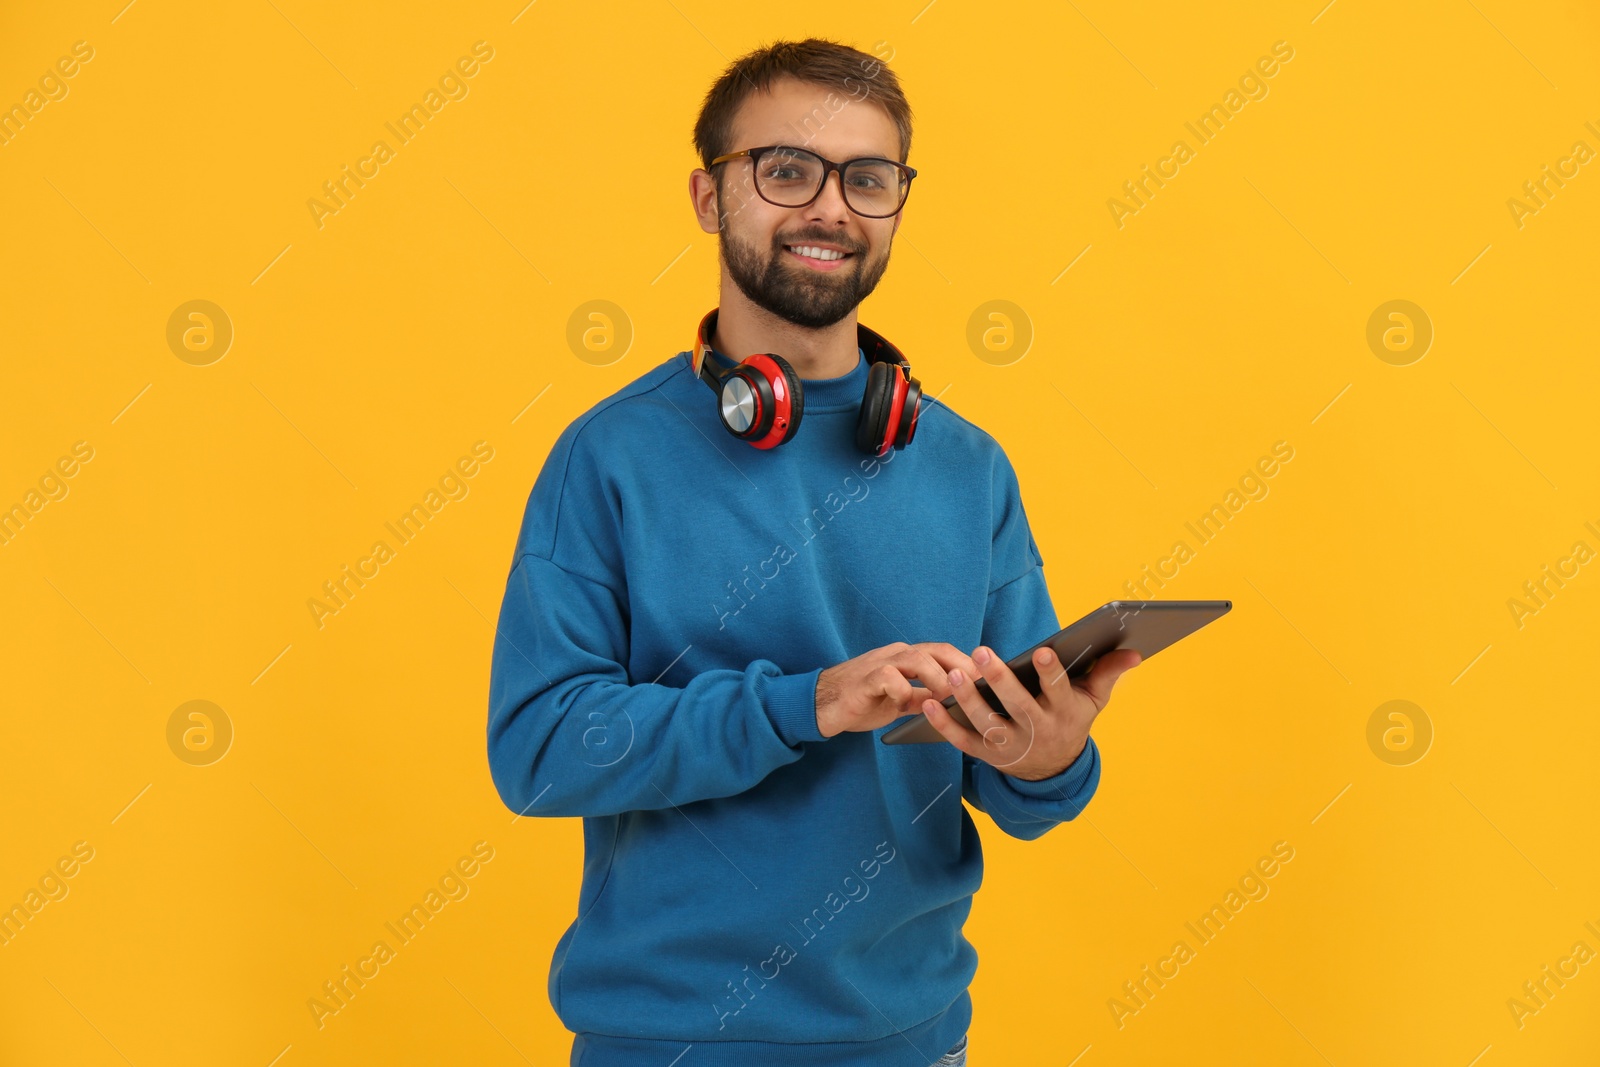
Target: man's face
757, 237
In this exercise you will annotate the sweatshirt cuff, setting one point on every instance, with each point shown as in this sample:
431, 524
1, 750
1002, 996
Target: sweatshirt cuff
791, 703
1080, 773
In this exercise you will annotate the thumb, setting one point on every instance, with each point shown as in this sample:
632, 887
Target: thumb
1107, 669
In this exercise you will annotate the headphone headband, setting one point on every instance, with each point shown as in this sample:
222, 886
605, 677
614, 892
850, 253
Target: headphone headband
876, 348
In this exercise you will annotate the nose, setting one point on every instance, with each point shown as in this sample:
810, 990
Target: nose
829, 206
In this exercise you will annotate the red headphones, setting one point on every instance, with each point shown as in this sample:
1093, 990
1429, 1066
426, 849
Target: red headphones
762, 399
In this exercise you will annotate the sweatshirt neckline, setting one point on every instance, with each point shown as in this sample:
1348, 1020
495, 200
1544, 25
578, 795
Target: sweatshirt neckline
843, 393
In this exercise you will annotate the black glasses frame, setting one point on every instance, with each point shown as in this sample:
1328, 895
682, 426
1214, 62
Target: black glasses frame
828, 167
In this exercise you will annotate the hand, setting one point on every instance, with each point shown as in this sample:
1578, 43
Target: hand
874, 689
1045, 733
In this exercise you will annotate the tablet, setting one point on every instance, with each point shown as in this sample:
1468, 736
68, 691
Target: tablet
1146, 626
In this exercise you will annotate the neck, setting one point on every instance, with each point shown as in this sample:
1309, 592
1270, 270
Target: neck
744, 328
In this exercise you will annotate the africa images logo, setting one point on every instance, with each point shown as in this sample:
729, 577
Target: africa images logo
811, 927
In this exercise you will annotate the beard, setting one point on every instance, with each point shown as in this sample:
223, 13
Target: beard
792, 291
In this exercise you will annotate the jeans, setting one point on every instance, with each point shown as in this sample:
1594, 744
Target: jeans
956, 1057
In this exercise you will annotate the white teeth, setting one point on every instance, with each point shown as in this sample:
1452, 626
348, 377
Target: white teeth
815, 253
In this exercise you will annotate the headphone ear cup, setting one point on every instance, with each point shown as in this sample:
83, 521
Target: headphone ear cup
797, 395
872, 420
745, 402
911, 408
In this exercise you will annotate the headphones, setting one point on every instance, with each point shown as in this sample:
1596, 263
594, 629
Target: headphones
762, 399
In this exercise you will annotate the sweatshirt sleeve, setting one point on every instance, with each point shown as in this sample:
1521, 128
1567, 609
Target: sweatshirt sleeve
569, 732
1019, 614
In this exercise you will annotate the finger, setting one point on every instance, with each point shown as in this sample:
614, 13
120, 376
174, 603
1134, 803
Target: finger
918, 663
962, 737
1009, 745
1111, 666
890, 686
950, 657
1003, 680
989, 726
1054, 682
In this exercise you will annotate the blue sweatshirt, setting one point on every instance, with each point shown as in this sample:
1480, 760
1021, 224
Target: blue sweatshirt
750, 888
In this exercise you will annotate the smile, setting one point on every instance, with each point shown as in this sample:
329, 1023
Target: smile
817, 258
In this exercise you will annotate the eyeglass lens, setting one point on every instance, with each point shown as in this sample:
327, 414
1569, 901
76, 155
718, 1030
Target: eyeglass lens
791, 177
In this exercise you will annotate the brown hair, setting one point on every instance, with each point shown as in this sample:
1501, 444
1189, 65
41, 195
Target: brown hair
827, 63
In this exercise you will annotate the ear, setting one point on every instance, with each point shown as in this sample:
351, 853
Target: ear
703, 198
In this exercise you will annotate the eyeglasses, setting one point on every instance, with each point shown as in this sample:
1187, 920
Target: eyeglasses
874, 188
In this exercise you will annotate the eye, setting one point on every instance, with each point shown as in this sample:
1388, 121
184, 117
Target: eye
873, 176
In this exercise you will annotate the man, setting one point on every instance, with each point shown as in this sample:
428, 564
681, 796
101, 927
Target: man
702, 642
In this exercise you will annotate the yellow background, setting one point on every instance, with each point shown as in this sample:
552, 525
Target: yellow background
368, 355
